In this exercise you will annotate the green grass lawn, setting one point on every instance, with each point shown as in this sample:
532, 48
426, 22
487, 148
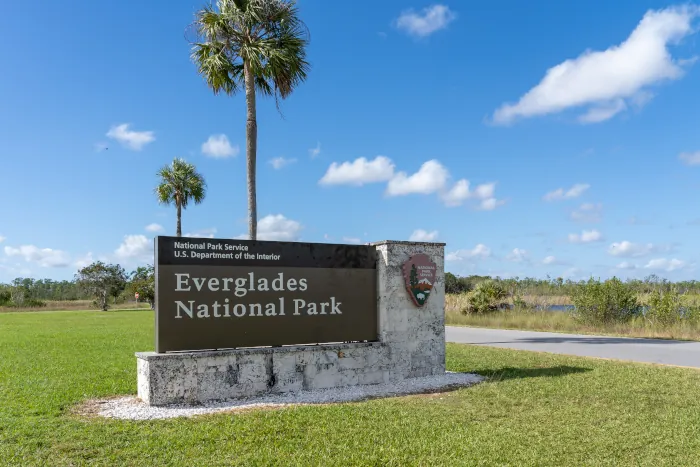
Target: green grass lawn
537, 409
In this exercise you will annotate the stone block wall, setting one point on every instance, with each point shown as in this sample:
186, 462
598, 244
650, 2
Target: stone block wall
411, 343
415, 335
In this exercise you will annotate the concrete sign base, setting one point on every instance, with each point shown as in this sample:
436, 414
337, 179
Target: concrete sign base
411, 343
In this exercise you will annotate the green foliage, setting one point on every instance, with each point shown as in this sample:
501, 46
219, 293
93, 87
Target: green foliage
5, 297
561, 287
489, 295
18, 295
668, 307
142, 281
454, 284
179, 184
264, 37
519, 303
102, 281
604, 302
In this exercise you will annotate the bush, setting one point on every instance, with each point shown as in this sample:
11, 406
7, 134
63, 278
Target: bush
607, 302
5, 298
454, 284
667, 307
487, 296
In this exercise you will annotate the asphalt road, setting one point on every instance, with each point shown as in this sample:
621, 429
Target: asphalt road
667, 352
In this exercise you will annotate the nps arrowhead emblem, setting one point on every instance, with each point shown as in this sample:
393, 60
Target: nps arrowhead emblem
419, 274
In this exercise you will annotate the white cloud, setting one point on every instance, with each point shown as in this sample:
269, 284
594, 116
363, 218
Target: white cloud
2, 239
602, 112
84, 261
154, 228
604, 79
421, 235
518, 255
485, 191
480, 251
628, 249
277, 227
44, 257
353, 240
663, 264
690, 158
430, 178
204, 233
456, 195
428, 21
626, 265
587, 236
573, 192
553, 260
134, 246
587, 212
359, 172
490, 204
135, 140
315, 152
219, 147
460, 192
279, 162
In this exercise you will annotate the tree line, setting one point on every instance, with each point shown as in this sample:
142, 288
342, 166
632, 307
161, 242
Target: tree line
559, 286
102, 282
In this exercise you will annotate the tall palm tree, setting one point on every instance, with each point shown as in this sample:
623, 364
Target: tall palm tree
179, 183
254, 45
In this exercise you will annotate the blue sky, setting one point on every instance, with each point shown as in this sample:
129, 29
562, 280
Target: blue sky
533, 138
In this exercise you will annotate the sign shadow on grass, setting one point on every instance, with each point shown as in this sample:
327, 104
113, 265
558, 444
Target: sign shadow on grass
506, 373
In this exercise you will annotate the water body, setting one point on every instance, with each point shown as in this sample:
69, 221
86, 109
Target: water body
557, 308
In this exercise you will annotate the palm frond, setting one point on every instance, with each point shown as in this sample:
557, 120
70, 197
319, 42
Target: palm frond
267, 34
179, 183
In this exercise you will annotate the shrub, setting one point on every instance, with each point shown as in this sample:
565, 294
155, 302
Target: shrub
5, 298
664, 307
454, 284
606, 302
519, 303
669, 306
487, 296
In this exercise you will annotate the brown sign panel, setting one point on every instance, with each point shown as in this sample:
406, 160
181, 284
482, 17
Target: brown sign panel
419, 274
219, 293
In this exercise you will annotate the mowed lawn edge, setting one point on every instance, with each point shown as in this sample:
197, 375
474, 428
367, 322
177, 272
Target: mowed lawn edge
535, 409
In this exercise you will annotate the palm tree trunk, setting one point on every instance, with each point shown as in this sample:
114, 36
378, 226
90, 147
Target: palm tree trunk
251, 150
179, 220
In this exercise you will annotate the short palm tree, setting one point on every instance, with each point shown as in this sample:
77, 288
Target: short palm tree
254, 45
179, 183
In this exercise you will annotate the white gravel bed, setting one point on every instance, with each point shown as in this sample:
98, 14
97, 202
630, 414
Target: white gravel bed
130, 408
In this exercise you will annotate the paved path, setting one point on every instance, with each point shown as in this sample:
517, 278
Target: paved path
666, 352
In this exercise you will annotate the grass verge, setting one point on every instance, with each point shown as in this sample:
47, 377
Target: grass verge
536, 409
